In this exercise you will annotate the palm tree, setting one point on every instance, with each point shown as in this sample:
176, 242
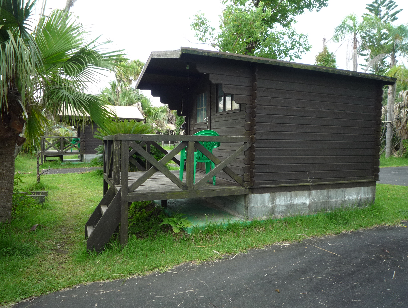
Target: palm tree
69, 5
126, 72
349, 25
47, 70
397, 44
118, 94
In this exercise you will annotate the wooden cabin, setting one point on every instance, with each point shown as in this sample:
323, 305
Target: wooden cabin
295, 138
52, 146
86, 133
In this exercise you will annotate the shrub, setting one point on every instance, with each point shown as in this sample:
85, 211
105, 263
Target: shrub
145, 219
115, 126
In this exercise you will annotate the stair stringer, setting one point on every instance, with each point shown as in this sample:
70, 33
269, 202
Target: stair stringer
106, 225
97, 213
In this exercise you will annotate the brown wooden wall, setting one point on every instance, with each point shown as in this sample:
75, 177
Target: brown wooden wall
237, 80
88, 142
308, 125
314, 128
229, 124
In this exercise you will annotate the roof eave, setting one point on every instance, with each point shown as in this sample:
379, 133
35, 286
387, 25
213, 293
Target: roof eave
295, 65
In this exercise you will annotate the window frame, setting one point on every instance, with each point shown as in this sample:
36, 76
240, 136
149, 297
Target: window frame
225, 96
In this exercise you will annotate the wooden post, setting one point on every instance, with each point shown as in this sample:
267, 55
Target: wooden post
164, 203
124, 192
61, 149
42, 149
109, 158
105, 156
38, 167
116, 163
190, 165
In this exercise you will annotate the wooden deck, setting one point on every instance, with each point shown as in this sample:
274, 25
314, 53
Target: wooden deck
160, 187
156, 182
121, 186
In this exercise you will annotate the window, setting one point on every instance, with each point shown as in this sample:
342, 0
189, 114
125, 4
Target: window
225, 101
201, 107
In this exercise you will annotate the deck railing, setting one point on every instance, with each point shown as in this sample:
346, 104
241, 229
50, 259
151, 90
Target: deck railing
124, 151
59, 146
116, 169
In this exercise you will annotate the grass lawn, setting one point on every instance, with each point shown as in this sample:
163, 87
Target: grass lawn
57, 164
54, 256
393, 161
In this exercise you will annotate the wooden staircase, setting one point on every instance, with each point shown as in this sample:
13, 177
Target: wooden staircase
104, 220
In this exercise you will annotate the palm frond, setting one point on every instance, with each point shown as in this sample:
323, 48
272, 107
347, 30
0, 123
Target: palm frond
78, 105
58, 37
36, 123
17, 67
15, 15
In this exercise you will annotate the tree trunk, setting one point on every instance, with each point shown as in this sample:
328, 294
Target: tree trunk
7, 147
69, 5
390, 119
11, 126
355, 53
390, 113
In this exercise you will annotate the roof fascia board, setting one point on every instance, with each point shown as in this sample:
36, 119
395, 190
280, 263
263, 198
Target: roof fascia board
238, 57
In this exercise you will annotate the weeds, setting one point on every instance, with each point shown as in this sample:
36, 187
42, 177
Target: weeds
21, 202
145, 219
148, 219
177, 222
12, 247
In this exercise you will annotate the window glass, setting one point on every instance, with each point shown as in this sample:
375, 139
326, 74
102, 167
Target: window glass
220, 98
235, 106
225, 101
228, 102
201, 107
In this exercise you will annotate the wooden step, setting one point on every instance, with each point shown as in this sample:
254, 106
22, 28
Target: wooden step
89, 230
103, 226
103, 209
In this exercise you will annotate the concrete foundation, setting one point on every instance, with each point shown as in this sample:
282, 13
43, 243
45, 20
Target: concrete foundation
88, 157
280, 204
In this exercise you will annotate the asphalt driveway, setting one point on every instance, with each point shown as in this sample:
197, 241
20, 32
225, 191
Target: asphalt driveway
394, 176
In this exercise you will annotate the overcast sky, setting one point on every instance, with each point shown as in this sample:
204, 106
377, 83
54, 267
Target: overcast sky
140, 27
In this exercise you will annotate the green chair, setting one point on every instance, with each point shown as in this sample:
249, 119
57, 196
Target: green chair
200, 157
74, 142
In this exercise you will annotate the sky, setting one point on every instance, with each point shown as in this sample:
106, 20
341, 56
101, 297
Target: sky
140, 27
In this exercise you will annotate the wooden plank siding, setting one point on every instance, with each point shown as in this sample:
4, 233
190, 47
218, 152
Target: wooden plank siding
314, 128
307, 124
229, 124
88, 142
236, 80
